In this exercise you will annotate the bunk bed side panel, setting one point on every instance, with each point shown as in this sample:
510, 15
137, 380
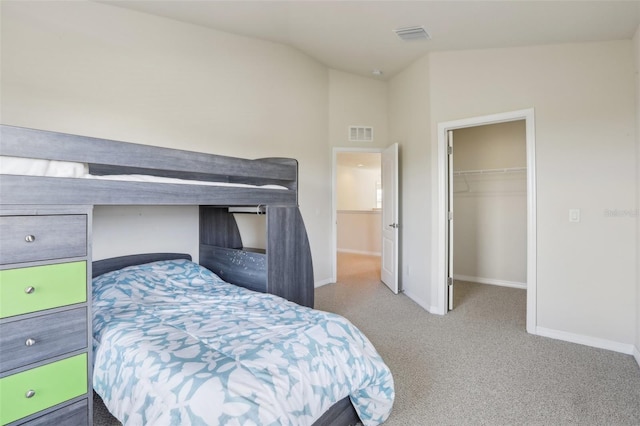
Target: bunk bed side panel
219, 228
116, 263
290, 269
29, 190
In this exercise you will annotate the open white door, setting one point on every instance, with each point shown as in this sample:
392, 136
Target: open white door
389, 266
450, 220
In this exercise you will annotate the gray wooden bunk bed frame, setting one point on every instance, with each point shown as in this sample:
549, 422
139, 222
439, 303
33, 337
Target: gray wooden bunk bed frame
284, 268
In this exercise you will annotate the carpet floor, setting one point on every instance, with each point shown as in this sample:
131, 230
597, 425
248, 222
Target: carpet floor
477, 365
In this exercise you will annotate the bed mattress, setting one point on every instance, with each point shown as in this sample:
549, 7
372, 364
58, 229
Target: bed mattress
176, 345
67, 169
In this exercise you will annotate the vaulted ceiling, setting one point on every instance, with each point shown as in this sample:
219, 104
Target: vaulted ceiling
357, 36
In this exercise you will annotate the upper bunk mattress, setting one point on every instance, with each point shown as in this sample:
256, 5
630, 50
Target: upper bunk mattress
66, 169
60, 175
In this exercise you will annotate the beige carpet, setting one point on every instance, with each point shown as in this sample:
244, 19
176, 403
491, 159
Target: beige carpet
477, 365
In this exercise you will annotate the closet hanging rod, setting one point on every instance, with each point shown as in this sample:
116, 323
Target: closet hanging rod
485, 171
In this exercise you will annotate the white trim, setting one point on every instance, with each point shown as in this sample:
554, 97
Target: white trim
439, 275
636, 354
420, 302
334, 204
491, 281
587, 340
376, 211
323, 282
367, 253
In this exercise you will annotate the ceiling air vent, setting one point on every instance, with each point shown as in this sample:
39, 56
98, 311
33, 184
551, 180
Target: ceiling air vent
360, 134
412, 33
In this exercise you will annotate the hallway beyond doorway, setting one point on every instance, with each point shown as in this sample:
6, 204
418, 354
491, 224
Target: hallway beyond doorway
355, 268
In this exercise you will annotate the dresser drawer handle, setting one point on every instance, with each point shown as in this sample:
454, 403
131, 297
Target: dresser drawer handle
30, 342
30, 393
30, 238
29, 290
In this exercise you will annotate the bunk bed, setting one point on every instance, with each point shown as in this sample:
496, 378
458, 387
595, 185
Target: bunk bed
46, 221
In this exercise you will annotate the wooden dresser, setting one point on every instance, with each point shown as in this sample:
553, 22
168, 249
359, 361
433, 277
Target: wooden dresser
45, 315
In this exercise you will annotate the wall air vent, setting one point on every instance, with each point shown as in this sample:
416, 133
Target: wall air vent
360, 134
412, 33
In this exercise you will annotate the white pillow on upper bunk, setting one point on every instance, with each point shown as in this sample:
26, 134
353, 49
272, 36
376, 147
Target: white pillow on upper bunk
38, 167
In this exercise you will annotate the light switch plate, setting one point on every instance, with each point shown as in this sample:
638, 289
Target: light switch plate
574, 215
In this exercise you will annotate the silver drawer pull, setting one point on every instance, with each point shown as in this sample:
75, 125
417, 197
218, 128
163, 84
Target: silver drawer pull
30, 238
30, 393
29, 290
30, 342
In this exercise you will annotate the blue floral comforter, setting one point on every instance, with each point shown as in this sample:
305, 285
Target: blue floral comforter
176, 345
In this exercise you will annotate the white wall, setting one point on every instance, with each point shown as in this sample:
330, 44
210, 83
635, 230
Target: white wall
490, 209
356, 187
120, 230
583, 95
359, 226
357, 101
98, 70
493, 146
410, 125
360, 232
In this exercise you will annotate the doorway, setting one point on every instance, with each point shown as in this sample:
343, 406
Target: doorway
444, 268
489, 205
358, 212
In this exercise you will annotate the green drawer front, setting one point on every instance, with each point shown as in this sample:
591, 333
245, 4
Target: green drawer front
53, 285
52, 383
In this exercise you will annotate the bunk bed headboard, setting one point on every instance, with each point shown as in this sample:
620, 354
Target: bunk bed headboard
113, 264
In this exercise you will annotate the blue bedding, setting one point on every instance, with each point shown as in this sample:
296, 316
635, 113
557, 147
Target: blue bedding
176, 345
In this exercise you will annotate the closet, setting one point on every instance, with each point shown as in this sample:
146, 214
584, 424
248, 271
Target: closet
490, 204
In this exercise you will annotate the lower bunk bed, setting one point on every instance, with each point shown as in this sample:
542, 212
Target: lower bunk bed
176, 345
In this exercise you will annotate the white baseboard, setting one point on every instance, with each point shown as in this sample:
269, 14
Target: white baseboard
421, 303
322, 282
589, 341
368, 253
636, 354
501, 283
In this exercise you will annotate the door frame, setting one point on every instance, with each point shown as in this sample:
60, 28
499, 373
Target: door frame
528, 116
334, 203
